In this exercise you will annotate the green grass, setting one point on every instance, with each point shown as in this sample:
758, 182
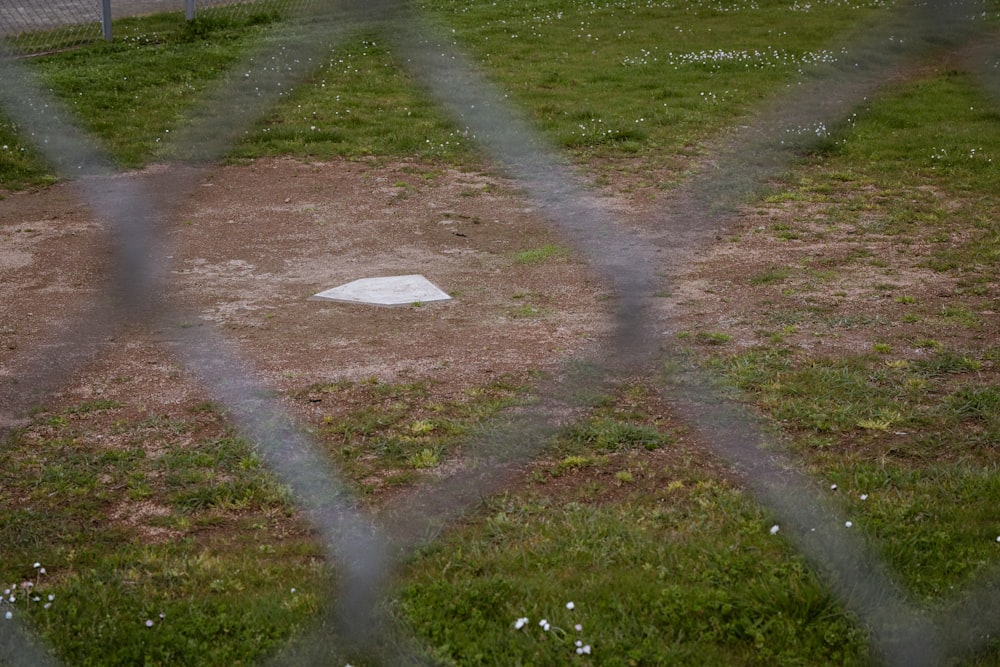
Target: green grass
540, 254
593, 78
382, 432
155, 516
687, 576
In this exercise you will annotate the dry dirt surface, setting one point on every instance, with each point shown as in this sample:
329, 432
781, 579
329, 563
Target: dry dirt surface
250, 247
253, 243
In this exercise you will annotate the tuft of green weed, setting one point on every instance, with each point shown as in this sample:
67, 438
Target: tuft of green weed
770, 276
540, 254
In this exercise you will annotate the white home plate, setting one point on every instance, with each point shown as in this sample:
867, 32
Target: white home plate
387, 291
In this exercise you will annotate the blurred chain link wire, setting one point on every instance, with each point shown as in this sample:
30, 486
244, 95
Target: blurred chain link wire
363, 555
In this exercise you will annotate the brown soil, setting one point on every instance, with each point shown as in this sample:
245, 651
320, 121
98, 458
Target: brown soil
255, 242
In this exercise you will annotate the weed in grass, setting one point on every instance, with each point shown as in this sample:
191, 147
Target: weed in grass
610, 435
524, 311
24, 597
624, 476
945, 362
771, 276
713, 338
426, 458
540, 254
981, 403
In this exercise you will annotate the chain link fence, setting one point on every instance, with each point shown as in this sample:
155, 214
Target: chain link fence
366, 548
32, 28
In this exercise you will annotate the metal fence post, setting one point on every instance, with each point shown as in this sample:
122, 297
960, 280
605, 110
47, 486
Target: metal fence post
106, 18
189, 9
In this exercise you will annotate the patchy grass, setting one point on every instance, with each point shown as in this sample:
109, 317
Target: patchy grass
881, 374
157, 534
380, 433
540, 254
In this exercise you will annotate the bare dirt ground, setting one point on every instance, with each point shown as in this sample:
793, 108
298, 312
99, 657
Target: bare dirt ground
255, 242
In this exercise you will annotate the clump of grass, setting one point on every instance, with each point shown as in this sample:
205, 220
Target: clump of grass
609, 435
770, 276
713, 338
702, 569
540, 254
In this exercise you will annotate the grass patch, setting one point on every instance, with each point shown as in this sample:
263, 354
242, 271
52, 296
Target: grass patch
770, 276
541, 254
383, 431
702, 570
592, 77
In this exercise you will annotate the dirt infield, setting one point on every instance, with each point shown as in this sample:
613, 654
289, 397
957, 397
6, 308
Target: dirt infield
256, 242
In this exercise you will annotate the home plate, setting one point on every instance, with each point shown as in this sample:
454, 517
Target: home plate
387, 291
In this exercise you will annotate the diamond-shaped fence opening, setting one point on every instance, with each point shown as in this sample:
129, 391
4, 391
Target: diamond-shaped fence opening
38, 27
365, 554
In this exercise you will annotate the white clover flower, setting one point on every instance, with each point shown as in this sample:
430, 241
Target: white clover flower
9, 615
149, 622
46, 605
544, 624
579, 628
848, 524
833, 487
36, 565
521, 622
51, 597
570, 605
775, 528
863, 496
